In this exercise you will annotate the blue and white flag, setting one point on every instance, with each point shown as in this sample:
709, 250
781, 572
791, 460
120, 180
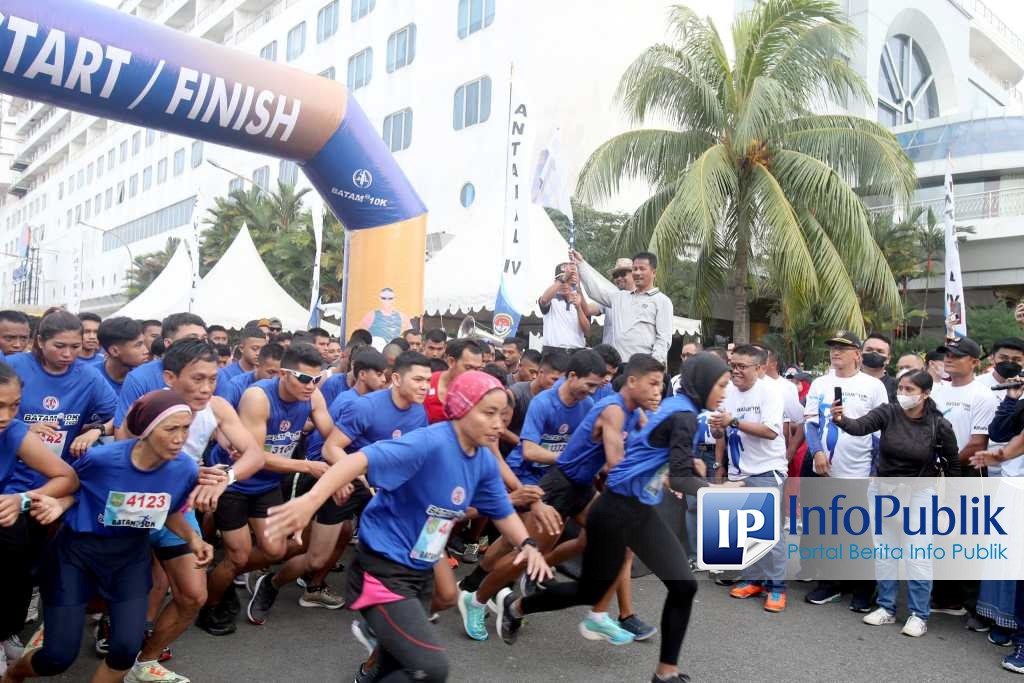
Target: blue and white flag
514, 291
955, 306
550, 188
318, 238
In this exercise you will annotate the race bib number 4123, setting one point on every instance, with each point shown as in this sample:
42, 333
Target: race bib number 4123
136, 510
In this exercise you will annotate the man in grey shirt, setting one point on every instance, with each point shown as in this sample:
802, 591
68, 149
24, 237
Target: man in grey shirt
642, 318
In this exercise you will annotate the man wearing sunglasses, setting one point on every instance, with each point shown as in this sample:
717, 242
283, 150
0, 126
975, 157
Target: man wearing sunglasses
360, 421
275, 412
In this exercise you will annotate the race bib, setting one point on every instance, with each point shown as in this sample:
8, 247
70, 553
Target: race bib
136, 510
55, 442
284, 450
434, 534
655, 483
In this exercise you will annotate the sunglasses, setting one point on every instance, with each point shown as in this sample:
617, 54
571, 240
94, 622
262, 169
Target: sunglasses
303, 377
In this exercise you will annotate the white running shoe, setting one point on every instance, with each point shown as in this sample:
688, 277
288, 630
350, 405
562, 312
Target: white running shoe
33, 607
153, 672
13, 647
879, 617
241, 579
915, 627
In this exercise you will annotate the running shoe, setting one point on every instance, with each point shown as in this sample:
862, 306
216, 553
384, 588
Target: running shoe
241, 579
639, 629
473, 618
367, 671
153, 672
321, 596
746, 589
677, 677
977, 624
528, 586
434, 617
101, 632
824, 594
605, 629
508, 625
1015, 662
13, 647
955, 609
860, 604
775, 602
471, 554
365, 635
36, 641
456, 546
165, 655
33, 607
880, 617
301, 582
216, 621
1000, 637
915, 627
252, 578
263, 598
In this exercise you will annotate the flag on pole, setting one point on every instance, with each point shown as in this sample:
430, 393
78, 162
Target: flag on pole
318, 238
954, 299
550, 188
513, 291
193, 252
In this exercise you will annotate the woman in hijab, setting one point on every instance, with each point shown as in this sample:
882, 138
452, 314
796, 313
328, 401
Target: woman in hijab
128, 488
425, 481
625, 516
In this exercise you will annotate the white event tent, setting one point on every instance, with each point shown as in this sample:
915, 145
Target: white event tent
167, 293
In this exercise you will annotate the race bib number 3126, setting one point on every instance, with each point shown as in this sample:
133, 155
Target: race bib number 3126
136, 510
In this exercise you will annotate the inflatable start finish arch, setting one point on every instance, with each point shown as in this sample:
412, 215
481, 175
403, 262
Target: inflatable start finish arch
88, 58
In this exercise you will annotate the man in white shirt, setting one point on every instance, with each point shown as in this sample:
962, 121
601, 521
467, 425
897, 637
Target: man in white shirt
1007, 359
566, 321
751, 418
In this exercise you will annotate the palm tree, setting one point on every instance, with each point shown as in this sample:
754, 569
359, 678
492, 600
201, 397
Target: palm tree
146, 267
748, 173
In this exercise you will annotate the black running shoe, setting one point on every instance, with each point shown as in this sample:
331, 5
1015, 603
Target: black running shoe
508, 626
262, 600
677, 677
215, 621
230, 602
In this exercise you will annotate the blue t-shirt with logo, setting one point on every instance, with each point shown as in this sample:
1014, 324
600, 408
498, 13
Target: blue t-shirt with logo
150, 377
334, 386
230, 371
583, 457
95, 362
238, 385
315, 442
375, 417
72, 399
10, 441
117, 498
425, 481
548, 423
284, 429
113, 383
641, 472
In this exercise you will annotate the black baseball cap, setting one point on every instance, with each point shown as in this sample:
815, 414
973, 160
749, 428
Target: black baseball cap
848, 339
1015, 343
937, 354
963, 346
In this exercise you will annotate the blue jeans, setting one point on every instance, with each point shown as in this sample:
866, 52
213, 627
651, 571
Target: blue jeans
770, 570
919, 571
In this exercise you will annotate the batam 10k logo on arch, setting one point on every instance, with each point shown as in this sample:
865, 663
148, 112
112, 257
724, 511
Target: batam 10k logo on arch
736, 527
362, 179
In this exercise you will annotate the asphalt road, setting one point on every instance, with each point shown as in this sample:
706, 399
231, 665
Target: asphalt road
728, 640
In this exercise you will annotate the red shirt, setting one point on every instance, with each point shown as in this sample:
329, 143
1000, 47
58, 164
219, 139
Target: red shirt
435, 409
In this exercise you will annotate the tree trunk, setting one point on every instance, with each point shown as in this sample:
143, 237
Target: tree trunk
924, 304
741, 309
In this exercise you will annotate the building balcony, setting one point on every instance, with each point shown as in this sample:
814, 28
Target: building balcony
29, 116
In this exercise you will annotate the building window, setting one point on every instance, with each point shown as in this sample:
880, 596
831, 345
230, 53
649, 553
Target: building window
398, 130
97, 204
147, 178
401, 48
360, 69
161, 170
133, 185
179, 162
70, 218
474, 15
360, 8
136, 143
197, 153
288, 173
71, 183
906, 86
78, 213
328, 73
110, 160
120, 192
327, 21
89, 173
124, 152
150, 137
80, 181
467, 195
60, 195
167, 218
296, 41
88, 209
472, 103
261, 176
99, 167
108, 198
235, 185
269, 51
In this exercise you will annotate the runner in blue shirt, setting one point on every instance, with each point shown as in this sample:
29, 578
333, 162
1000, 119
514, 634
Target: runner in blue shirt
90, 353
15, 332
613, 363
624, 517
59, 395
568, 488
253, 339
16, 548
124, 347
128, 488
150, 376
267, 367
554, 414
377, 416
275, 412
426, 481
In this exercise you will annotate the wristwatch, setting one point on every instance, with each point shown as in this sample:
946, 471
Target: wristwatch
528, 541
232, 477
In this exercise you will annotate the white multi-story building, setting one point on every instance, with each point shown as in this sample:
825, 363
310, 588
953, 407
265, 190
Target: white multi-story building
434, 75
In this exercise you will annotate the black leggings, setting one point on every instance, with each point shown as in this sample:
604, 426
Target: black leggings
409, 648
614, 523
18, 556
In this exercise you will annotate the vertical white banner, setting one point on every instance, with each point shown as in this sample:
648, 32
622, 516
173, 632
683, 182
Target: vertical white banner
75, 301
318, 238
954, 300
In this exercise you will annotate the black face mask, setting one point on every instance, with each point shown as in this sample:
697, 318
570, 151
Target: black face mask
1007, 369
873, 360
